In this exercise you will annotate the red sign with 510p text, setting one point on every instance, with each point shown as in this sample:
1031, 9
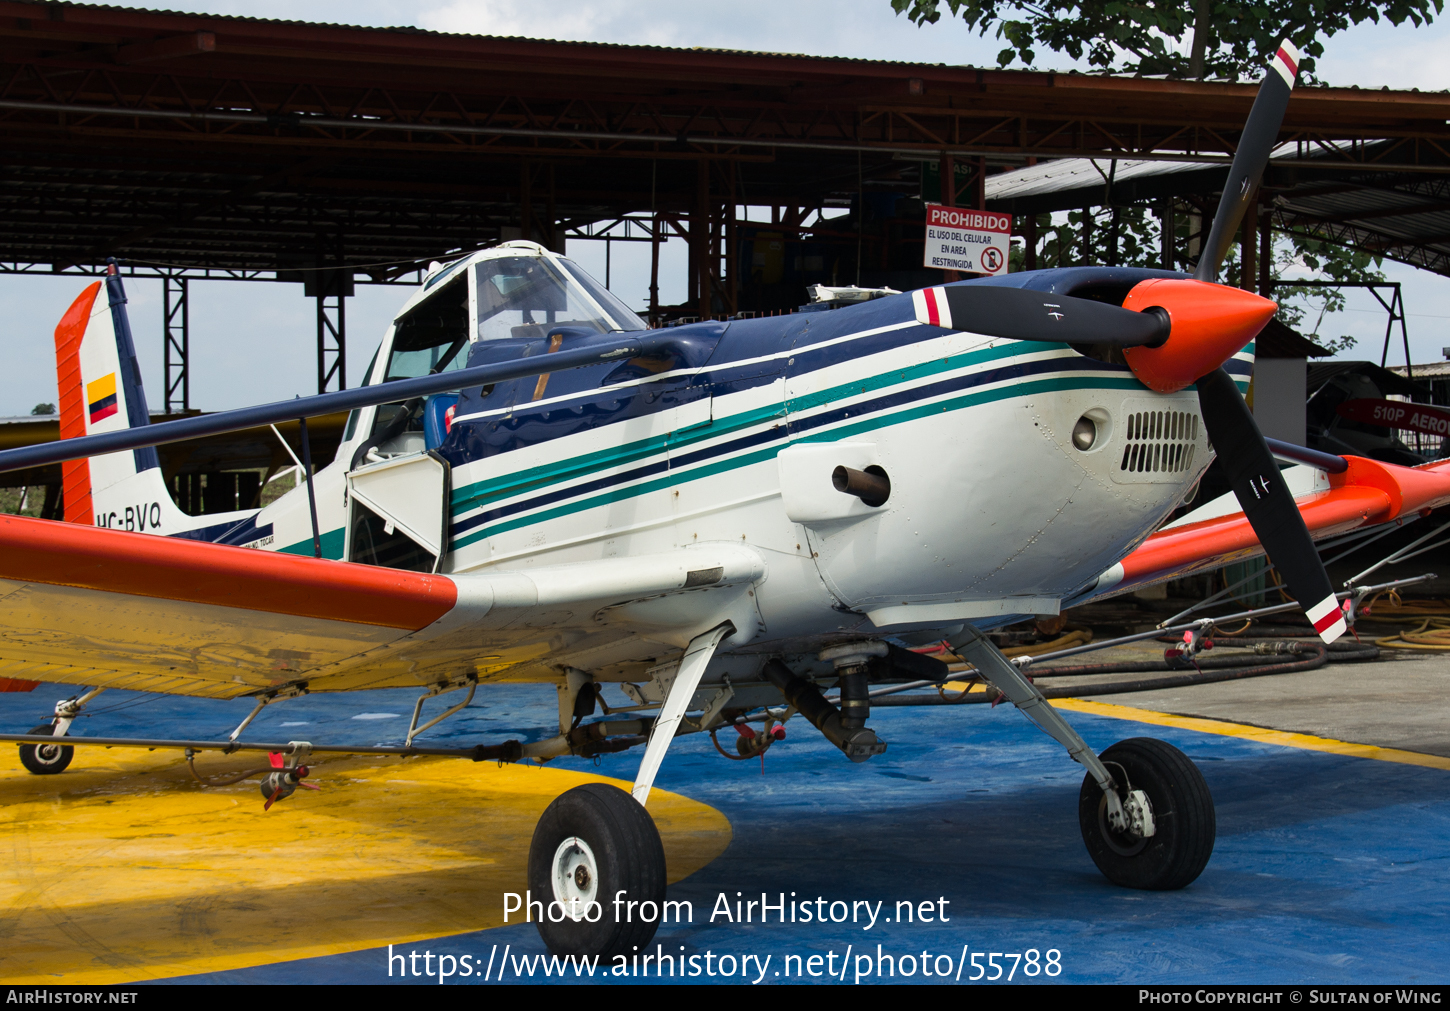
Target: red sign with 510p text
1397, 414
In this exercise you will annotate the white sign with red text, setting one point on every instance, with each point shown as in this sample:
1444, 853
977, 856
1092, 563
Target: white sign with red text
958, 238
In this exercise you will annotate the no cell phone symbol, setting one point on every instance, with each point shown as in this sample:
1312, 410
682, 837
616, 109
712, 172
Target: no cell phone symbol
991, 259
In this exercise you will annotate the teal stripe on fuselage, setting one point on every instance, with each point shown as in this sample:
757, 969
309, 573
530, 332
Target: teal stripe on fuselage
481, 493
331, 545
1022, 389
883, 420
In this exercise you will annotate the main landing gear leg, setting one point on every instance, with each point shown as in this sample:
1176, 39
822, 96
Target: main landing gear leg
596, 861
1151, 827
49, 759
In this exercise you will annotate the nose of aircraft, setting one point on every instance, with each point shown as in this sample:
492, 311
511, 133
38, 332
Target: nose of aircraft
1209, 324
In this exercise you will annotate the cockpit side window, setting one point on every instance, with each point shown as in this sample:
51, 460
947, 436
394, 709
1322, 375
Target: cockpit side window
523, 296
367, 379
432, 336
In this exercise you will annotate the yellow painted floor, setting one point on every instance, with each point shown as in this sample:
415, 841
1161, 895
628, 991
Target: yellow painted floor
1263, 735
126, 869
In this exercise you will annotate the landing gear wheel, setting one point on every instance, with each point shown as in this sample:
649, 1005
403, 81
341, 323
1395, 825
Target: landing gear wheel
591, 844
1183, 816
45, 759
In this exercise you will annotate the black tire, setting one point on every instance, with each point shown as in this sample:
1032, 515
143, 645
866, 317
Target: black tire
627, 856
45, 759
1182, 813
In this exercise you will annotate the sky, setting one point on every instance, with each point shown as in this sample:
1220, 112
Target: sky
256, 342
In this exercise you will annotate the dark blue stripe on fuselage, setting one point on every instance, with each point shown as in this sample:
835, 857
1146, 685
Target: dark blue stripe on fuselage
600, 405
731, 370
222, 533
245, 532
796, 425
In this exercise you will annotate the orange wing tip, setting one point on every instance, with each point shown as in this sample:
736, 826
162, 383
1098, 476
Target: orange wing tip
170, 568
1211, 323
1409, 489
1327, 618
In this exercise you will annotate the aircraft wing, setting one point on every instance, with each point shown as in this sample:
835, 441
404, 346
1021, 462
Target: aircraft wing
98, 607
1367, 494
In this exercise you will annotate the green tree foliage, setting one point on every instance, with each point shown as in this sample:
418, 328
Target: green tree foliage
1325, 262
1193, 39
43, 409
22, 501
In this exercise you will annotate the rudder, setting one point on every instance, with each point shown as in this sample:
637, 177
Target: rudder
101, 391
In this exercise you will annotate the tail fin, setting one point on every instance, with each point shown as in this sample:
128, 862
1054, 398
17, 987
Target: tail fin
100, 391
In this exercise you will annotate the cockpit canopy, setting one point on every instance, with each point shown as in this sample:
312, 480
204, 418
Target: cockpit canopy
517, 291
523, 296
520, 296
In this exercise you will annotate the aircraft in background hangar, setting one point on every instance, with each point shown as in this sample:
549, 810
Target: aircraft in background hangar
721, 516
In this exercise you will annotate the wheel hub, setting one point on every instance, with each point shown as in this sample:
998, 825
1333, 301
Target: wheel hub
575, 878
1125, 843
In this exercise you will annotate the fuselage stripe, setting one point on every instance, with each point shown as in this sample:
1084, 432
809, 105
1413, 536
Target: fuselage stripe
479, 493
675, 476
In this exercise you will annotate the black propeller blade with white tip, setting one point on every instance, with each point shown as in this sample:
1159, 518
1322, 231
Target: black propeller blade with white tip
1025, 315
1242, 452
1252, 157
1253, 474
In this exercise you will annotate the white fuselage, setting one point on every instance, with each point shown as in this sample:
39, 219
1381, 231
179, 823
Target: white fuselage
993, 511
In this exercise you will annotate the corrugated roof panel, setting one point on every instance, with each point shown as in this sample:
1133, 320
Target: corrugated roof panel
412, 30
1075, 173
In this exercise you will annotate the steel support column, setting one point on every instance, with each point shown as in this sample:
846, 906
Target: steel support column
654, 269
1396, 309
526, 201
176, 344
331, 334
947, 173
730, 257
700, 243
1167, 233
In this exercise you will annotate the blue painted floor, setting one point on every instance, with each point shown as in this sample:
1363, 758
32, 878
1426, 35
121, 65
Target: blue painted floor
1327, 869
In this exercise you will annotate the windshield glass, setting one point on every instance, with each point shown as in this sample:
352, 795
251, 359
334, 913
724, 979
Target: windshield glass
523, 296
431, 336
623, 316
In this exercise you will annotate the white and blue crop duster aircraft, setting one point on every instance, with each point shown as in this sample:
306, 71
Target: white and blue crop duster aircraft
722, 519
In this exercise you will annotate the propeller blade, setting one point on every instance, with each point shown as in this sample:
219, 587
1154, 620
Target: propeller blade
1024, 315
1251, 158
1254, 476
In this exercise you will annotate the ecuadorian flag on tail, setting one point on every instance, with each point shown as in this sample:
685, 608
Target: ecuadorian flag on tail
101, 398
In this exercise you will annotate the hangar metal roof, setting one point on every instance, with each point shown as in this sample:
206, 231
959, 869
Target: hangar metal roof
244, 144
1399, 215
